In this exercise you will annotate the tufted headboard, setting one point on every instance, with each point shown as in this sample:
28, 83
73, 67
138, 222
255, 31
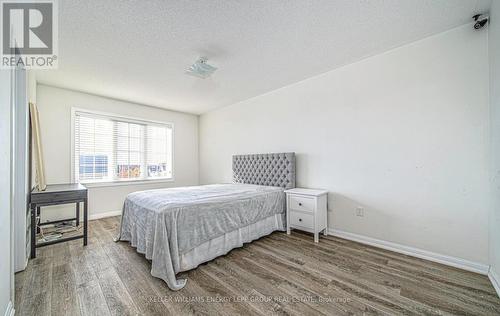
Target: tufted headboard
276, 170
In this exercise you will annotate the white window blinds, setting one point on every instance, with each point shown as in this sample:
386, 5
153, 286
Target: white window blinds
108, 149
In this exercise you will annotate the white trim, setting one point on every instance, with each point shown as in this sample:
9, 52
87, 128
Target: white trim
125, 182
495, 280
126, 118
415, 252
72, 145
9, 311
104, 215
171, 125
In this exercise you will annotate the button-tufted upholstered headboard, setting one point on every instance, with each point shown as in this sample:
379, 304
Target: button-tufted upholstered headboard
276, 170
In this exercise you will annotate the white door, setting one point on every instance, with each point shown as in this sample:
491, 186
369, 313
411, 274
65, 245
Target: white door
20, 194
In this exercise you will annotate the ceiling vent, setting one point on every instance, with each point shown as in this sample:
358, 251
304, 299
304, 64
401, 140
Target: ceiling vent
201, 69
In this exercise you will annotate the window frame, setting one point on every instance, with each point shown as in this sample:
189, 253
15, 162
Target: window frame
128, 119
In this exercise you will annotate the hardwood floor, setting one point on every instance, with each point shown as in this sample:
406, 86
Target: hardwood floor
277, 274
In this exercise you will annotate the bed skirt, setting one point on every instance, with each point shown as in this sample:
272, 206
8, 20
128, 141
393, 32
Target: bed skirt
223, 244
218, 246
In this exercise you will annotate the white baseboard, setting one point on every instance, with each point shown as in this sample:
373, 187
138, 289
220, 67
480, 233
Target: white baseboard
104, 215
415, 252
10, 309
495, 280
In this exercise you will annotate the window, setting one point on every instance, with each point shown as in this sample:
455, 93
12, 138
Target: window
112, 149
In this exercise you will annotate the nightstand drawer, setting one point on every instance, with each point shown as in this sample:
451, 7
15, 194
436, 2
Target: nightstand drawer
301, 219
301, 203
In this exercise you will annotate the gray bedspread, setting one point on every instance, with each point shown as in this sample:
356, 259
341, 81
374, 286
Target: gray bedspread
166, 223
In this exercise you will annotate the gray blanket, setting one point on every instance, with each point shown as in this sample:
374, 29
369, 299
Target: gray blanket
166, 223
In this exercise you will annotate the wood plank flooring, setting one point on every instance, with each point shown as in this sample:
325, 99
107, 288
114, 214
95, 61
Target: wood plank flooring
275, 275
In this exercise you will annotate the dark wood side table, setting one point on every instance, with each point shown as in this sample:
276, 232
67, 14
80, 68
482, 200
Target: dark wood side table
57, 194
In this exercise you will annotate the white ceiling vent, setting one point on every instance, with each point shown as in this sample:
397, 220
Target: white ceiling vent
201, 69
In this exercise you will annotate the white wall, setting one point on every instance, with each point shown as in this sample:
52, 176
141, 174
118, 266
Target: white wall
404, 134
494, 46
32, 84
55, 120
5, 190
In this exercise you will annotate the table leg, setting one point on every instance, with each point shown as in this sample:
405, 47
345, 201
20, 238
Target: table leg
316, 237
38, 214
77, 213
33, 230
85, 221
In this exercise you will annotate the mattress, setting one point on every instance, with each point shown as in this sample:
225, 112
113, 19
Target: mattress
179, 228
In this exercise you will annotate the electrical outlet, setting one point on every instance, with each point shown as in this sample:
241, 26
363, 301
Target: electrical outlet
360, 211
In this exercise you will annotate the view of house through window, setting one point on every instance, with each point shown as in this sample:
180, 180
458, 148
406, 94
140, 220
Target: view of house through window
108, 149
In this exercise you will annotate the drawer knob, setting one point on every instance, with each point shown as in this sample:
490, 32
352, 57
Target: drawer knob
300, 219
300, 204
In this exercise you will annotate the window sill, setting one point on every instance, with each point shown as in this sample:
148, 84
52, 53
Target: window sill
122, 183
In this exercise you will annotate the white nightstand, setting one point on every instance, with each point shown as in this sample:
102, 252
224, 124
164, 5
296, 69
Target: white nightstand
306, 210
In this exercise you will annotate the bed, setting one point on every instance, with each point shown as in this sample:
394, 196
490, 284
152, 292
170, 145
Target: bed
180, 228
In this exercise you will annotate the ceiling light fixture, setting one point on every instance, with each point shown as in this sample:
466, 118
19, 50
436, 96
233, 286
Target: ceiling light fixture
201, 69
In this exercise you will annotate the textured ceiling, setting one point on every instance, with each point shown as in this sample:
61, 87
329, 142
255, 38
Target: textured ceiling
138, 50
